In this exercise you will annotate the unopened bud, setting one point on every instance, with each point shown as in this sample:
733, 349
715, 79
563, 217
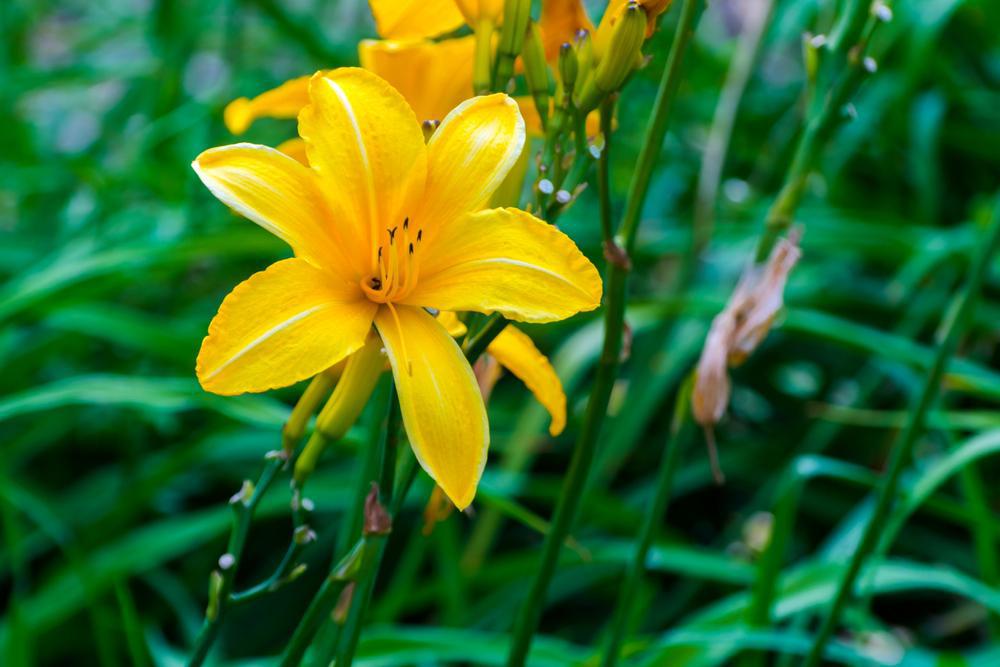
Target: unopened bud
214, 593
536, 72
624, 49
568, 67
563, 196
340, 412
349, 566
296, 572
546, 187
226, 561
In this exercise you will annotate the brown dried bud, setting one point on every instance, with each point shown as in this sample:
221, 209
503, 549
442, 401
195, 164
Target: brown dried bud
377, 519
339, 615
740, 328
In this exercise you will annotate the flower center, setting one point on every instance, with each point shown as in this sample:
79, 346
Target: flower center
396, 267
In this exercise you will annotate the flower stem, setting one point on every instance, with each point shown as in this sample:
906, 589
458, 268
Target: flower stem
477, 343
901, 454
680, 432
370, 566
823, 114
219, 595
614, 320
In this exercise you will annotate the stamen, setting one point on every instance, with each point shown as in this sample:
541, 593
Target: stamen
420, 235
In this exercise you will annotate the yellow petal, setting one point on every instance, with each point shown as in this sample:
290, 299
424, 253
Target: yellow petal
508, 261
279, 194
285, 101
561, 19
368, 149
450, 321
443, 412
517, 353
434, 77
469, 156
280, 326
402, 19
295, 148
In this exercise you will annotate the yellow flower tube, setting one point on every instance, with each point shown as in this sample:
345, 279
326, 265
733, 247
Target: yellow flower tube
384, 227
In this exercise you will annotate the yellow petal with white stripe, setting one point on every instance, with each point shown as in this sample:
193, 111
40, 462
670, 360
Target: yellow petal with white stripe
434, 77
278, 193
516, 352
468, 158
282, 325
508, 261
401, 19
442, 408
365, 143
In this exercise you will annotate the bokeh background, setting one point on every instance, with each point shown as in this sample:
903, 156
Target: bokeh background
115, 467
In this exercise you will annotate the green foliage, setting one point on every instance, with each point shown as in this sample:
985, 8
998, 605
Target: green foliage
115, 467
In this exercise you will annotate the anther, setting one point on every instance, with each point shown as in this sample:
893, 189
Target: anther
406, 223
420, 235
376, 283
411, 248
392, 234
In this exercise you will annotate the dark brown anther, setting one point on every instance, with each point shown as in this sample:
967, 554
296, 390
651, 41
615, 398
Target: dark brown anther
377, 519
392, 234
380, 252
406, 222
376, 283
420, 235
411, 248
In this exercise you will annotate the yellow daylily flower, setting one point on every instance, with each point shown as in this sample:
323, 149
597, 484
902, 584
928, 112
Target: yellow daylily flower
406, 19
382, 227
514, 350
434, 77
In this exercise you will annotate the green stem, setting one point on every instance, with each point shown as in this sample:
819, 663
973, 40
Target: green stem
679, 433
529, 615
370, 566
321, 605
821, 123
482, 66
477, 343
220, 597
953, 330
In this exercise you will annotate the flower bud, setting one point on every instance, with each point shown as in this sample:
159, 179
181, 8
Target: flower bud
349, 397
623, 50
536, 71
568, 67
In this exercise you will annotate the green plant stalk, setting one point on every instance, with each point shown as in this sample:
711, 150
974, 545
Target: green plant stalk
351, 632
680, 432
482, 65
901, 454
530, 612
516, 15
822, 120
475, 344
321, 605
220, 598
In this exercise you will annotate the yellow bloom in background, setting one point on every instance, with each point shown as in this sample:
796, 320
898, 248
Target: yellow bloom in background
382, 227
514, 350
434, 77
407, 19
561, 20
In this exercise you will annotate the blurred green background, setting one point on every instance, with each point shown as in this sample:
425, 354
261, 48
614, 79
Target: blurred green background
115, 467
